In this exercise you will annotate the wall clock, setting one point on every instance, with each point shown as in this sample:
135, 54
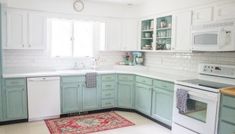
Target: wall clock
78, 5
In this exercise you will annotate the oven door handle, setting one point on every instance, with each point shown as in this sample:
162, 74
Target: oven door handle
202, 96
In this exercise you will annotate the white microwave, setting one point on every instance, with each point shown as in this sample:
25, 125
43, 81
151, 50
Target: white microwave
213, 37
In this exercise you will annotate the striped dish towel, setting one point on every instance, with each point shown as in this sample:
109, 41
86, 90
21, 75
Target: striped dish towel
91, 81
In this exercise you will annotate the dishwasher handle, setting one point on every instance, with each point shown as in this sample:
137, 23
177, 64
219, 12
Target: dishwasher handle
44, 79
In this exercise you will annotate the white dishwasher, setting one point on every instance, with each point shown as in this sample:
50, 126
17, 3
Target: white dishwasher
43, 98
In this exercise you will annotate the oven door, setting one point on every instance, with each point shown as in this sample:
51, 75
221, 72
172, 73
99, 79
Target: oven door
202, 113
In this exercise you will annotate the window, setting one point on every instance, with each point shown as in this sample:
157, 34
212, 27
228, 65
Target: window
75, 38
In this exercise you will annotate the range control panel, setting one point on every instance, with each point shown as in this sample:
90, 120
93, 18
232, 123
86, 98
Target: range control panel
217, 70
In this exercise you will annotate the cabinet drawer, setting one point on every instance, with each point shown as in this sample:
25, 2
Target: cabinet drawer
73, 79
144, 80
107, 103
15, 82
228, 101
228, 114
226, 128
108, 94
109, 77
163, 85
108, 85
125, 77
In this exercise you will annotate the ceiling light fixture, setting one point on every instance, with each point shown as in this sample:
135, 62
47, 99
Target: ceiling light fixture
78, 5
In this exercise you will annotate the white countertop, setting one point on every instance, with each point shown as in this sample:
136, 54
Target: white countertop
161, 76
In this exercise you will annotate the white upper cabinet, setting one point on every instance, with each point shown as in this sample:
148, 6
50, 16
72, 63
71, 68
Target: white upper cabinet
113, 35
202, 15
16, 29
121, 35
183, 22
129, 35
225, 11
36, 31
25, 30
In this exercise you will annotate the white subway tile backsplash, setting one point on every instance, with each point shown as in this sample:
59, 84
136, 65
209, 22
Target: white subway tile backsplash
187, 63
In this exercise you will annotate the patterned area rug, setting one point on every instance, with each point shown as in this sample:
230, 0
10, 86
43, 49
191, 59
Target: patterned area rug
87, 123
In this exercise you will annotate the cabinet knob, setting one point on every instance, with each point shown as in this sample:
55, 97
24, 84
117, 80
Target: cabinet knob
22, 45
29, 45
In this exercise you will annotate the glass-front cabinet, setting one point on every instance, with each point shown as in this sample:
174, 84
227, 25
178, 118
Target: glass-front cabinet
156, 33
164, 32
147, 32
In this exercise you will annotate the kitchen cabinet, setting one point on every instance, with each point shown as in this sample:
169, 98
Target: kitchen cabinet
121, 35
71, 94
143, 95
202, 15
183, 21
113, 35
16, 29
1, 101
108, 91
125, 91
36, 30
227, 115
15, 99
129, 35
25, 30
162, 101
90, 99
224, 11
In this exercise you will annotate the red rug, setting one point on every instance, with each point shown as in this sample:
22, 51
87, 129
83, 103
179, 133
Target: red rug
87, 123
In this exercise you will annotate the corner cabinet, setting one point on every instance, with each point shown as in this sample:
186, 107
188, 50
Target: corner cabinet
121, 35
143, 95
25, 30
162, 101
15, 99
125, 91
227, 115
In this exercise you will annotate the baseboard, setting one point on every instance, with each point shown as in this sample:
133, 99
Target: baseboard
13, 122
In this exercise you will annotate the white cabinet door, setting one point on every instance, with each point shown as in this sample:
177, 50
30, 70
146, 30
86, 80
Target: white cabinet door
129, 35
36, 31
202, 15
16, 29
183, 31
225, 11
113, 34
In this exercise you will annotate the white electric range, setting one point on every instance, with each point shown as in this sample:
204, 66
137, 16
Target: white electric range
204, 98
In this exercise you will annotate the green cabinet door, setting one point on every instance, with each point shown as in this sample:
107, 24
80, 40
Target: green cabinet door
226, 128
1, 102
143, 94
16, 103
125, 94
71, 95
162, 105
90, 99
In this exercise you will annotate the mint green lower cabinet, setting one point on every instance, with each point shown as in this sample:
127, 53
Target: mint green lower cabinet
143, 94
162, 105
227, 115
1, 102
71, 98
15, 99
125, 94
90, 99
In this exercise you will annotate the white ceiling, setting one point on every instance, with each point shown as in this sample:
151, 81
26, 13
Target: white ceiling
134, 2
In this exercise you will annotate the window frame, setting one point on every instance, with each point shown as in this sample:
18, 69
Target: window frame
95, 48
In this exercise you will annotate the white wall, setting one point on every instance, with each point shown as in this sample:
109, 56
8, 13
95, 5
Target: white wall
66, 6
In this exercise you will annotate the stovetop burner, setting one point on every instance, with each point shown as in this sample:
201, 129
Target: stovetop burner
208, 84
